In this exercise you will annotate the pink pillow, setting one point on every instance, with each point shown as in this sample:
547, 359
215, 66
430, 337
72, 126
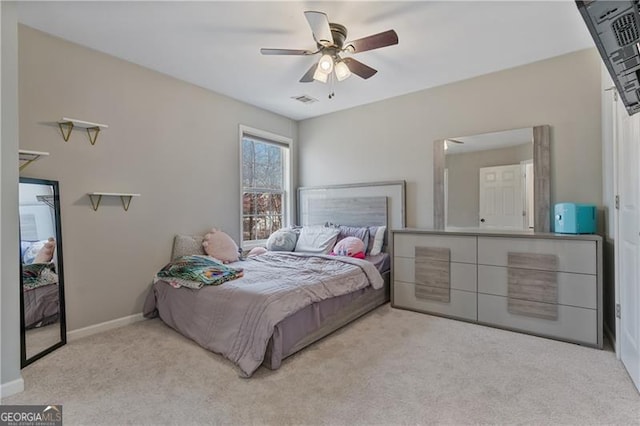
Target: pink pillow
220, 245
46, 252
257, 251
349, 246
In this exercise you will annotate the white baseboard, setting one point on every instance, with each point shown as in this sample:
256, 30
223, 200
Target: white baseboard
103, 326
11, 388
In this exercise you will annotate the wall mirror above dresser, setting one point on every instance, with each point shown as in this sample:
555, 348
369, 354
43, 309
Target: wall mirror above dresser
494, 181
42, 310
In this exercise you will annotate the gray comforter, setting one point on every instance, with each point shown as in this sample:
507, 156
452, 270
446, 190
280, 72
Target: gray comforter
237, 319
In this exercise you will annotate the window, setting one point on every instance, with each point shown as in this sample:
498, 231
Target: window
265, 178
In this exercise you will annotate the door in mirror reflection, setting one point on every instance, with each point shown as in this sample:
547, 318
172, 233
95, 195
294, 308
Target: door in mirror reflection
43, 327
489, 180
502, 197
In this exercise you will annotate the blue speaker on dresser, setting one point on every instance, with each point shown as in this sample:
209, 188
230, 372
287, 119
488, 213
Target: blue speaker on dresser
574, 218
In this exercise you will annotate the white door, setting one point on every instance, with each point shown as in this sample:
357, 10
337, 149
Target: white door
628, 240
446, 197
528, 185
501, 197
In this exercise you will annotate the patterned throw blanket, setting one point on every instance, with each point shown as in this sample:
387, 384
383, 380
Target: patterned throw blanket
36, 275
196, 272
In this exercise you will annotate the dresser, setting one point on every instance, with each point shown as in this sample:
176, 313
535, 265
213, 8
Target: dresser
538, 283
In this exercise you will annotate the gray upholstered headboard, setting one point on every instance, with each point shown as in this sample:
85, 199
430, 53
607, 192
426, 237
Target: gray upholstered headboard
366, 204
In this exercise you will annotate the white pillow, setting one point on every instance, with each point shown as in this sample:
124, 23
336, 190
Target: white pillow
378, 241
282, 240
316, 239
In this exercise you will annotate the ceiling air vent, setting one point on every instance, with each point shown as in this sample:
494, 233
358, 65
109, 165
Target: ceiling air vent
626, 29
305, 99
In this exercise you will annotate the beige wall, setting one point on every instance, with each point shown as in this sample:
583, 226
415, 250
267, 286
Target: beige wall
177, 145
393, 139
464, 179
10, 379
173, 142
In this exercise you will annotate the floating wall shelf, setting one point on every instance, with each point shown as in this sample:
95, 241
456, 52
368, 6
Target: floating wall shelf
28, 157
96, 197
69, 124
47, 199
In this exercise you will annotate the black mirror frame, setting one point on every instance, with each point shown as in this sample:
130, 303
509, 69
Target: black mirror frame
60, 271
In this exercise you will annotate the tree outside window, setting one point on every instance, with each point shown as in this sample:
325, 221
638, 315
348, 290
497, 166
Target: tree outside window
264, 188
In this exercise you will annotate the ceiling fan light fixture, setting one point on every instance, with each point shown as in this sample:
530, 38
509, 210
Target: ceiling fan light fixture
326, 64
330, 43
320, 76
342, 71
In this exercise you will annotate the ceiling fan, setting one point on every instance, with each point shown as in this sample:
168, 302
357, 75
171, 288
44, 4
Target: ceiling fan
330, 40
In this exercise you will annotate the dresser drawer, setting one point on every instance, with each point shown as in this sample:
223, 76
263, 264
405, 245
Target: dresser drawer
573, 255
573, 289
461, 305
463, 249
574, 324
463, 275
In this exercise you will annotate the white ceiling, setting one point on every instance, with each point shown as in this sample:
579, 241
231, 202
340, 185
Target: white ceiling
487, 141
216, 45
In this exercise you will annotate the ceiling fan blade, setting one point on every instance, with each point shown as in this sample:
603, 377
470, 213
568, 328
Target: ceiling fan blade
308, 76
285, 52
359, 69
319, 24
376, 41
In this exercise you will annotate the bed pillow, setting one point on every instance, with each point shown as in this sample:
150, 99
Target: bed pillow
196, 271
220, 245
354, 231
349, 246
31, 249
316, 239
376, 239
187, 245
256, 251
282, 240
45, 255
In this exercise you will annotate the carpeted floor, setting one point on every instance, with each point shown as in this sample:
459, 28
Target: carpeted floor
390, 367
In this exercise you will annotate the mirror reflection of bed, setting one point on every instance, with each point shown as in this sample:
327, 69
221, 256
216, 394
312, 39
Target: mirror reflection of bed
43, 327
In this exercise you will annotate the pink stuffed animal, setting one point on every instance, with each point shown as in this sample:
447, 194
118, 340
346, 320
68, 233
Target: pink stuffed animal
220, 245
46, 252
257, 251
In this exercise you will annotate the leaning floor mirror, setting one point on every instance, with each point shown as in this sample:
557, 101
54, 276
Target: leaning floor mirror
42, 321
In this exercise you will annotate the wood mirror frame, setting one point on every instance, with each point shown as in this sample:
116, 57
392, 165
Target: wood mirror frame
541, 186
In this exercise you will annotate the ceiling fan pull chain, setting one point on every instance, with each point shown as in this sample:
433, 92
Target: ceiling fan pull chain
331, 83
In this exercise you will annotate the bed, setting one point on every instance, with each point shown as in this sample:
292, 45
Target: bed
39, 286
268, 315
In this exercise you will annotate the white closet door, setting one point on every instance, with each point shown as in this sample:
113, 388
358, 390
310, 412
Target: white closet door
628, 240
